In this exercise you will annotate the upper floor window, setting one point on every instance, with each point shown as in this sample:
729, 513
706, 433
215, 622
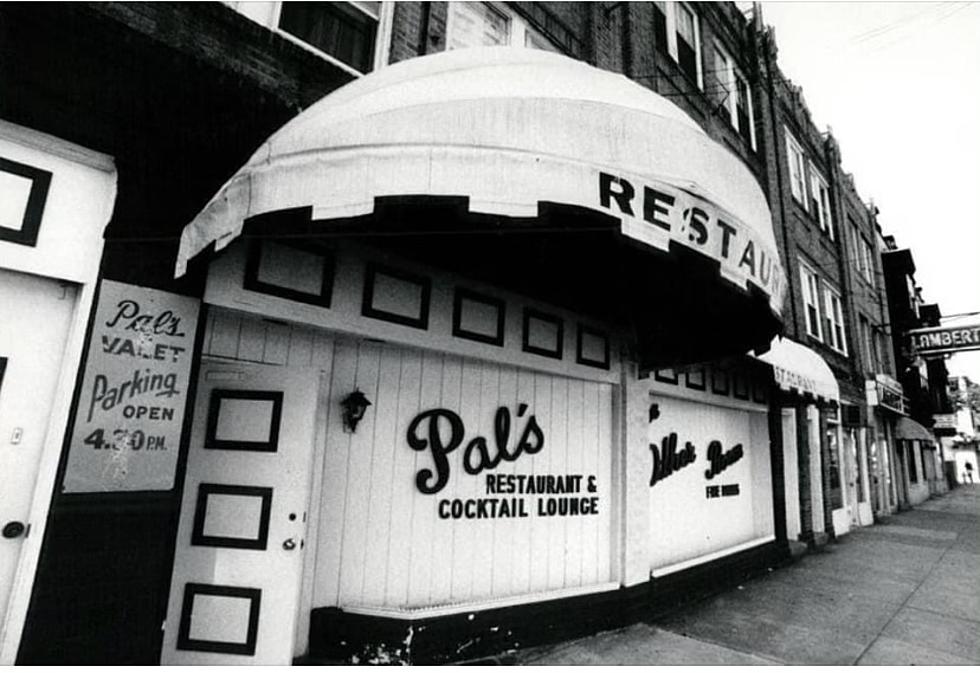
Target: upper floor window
678, 33
811, 301
834, 316
482, 24
737, 102
868, 261
797, 168
820, 201
867, 345
346, 31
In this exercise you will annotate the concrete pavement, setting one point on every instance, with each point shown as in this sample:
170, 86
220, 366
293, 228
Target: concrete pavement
905, 591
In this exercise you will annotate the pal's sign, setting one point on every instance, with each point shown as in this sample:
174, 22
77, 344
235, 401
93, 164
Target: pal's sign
942, 340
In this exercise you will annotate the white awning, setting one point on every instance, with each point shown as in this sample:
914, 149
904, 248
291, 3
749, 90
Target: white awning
907, 428
509, 129
802, 371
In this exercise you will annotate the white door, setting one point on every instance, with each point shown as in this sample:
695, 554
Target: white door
238, 562
35, 315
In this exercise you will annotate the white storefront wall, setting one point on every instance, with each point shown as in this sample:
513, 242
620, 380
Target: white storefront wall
715, 497
376, 543
55, 200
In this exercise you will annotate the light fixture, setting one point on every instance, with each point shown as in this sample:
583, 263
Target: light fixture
354, 406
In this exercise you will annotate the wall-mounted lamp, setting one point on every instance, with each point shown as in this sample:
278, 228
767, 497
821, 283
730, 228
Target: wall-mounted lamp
354, 406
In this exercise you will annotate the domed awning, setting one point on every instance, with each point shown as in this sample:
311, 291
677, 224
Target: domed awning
907, 428
802, 371
513, 131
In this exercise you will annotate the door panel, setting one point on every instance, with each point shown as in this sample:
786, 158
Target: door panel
34, 321
239, 553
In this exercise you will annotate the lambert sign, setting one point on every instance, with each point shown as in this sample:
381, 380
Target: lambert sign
940, 340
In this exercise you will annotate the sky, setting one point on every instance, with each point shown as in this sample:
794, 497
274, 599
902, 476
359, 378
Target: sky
899, 85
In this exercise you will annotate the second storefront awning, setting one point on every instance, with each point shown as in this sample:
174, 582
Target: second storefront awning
515, 133
801, 370
906, 428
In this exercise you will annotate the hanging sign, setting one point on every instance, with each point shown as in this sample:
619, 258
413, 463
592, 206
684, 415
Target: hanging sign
131, 408
942, 340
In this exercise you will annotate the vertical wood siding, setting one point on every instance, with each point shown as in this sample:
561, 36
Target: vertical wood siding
379, 541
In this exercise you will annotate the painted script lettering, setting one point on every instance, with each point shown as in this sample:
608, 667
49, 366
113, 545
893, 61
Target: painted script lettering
426, 432
720, 459
128, 316
667, 460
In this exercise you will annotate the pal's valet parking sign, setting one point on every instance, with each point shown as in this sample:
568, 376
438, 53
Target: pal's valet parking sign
130, 411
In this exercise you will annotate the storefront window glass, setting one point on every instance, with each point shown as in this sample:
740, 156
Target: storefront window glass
833, 462
913, 472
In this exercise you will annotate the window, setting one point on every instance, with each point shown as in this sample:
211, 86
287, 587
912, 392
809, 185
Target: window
345, 31
913, 473
678, 34
811, 302
867, 345
735, 89
834, 317
878, 343
833, 463
482, 24
820, 201
868, 261
797, 179
687, 42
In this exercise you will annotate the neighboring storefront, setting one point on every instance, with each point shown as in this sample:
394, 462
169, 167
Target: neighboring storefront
917, 447
56, 200
417, 394
809, 399
887, 404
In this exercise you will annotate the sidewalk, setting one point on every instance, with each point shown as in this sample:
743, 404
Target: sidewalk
905, 591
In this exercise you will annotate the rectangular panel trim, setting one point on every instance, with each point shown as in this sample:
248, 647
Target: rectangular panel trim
534, 314
34, 210
581, 358
193, 590
260, 541
462, 294
719, 382
369, 310
695, 378
214, 408
253, 264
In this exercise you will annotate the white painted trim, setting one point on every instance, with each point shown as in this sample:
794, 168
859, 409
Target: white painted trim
56, 146
23, 583
676, 567
429, 612
704, 397
304, 603
382, 39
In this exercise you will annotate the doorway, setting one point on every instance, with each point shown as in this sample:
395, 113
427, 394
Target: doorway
234, 593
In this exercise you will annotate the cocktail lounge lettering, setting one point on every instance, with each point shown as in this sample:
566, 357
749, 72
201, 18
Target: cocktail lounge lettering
130, 412
677, 213
555, 494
